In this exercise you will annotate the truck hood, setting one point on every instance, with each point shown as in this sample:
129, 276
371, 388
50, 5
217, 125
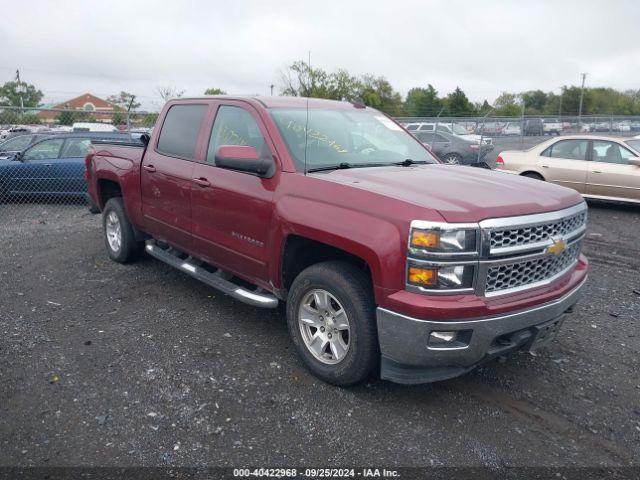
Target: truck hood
459, 194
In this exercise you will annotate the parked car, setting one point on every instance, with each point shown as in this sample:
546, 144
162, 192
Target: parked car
597, 167
94, 127
454, 149
489, 128
336, 210
552, 127
450, 128
533, 126
512, 128
51, 167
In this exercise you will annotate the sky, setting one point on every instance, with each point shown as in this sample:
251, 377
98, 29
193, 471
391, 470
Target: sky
67, 48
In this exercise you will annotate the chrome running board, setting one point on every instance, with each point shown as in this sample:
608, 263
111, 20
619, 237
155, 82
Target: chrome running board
216, 279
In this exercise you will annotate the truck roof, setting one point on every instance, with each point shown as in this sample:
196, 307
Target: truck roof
280, 102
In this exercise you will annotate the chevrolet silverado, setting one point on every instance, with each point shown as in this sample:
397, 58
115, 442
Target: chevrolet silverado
387, 261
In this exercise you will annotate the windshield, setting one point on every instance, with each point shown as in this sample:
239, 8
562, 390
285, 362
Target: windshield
353, 137
459, 129
635, 144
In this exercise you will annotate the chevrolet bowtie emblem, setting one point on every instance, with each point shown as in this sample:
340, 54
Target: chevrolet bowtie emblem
557, 247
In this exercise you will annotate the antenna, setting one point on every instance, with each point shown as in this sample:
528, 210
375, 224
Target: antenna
306, 126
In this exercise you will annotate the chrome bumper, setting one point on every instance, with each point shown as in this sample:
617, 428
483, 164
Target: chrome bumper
408, 358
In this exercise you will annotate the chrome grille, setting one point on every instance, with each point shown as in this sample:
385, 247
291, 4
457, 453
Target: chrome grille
517, 236
528, 272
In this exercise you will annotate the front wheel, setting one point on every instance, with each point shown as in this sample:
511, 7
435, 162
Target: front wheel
119, 236
331, 320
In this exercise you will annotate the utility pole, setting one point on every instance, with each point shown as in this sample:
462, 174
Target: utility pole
19, 90
560, 107
584, 75
271, 87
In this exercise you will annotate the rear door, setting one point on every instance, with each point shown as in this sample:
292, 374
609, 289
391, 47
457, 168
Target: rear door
232, 210
565, 163
610, 174
167, 173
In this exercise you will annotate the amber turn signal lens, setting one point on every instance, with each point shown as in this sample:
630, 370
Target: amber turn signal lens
422, 238
423, 276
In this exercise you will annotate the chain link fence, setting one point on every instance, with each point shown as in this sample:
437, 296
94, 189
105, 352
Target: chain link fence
497, 134
42, 150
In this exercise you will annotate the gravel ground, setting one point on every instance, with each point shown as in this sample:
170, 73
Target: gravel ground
111, 365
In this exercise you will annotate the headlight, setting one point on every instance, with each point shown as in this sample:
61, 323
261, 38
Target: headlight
443, 241
440, 277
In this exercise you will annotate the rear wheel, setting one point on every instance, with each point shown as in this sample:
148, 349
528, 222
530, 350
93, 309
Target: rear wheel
452, 159
119, 236
535, 176
331, 320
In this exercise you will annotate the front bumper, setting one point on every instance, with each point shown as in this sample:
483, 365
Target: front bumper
408, 358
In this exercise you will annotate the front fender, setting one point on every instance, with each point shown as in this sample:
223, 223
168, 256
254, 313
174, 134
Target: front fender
379, 242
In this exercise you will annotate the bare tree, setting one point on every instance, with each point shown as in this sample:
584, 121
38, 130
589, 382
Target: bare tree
169, 92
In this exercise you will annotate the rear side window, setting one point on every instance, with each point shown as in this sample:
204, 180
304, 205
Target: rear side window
75, 147
180, 131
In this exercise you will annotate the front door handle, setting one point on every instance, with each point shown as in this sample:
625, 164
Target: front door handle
149, 168
596, 171
202, 182
545, 166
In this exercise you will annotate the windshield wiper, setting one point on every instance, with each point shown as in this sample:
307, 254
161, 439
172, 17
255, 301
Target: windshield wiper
345, 165
408, 162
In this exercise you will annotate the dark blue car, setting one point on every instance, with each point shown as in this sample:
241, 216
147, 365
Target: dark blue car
50, 168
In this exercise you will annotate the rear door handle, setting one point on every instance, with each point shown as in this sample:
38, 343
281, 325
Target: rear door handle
149, 168
545, 166
596, 171
202, 182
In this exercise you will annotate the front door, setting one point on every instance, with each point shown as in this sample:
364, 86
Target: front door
232, 210
610, 174
167, 173
565, 163
33, 175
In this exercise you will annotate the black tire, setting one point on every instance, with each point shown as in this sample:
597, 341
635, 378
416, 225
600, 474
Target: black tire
130, 248
352, 288
535, 176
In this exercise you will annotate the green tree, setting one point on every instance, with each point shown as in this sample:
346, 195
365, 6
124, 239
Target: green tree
507, 105
458, 105
10, 96
30, 119
123, 100
214, 91
378, 93
535, 101
9, 117
118, 118
422, 102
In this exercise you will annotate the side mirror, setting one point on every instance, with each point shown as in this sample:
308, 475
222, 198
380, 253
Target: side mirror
244, 159
144, 139
634, 161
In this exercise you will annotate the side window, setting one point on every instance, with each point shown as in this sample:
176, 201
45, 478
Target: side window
75, 147
234, 126
46, 150
180, 131
610, 152
569, 149
441, 138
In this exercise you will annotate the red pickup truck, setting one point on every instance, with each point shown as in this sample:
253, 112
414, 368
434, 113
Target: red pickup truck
387, 260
